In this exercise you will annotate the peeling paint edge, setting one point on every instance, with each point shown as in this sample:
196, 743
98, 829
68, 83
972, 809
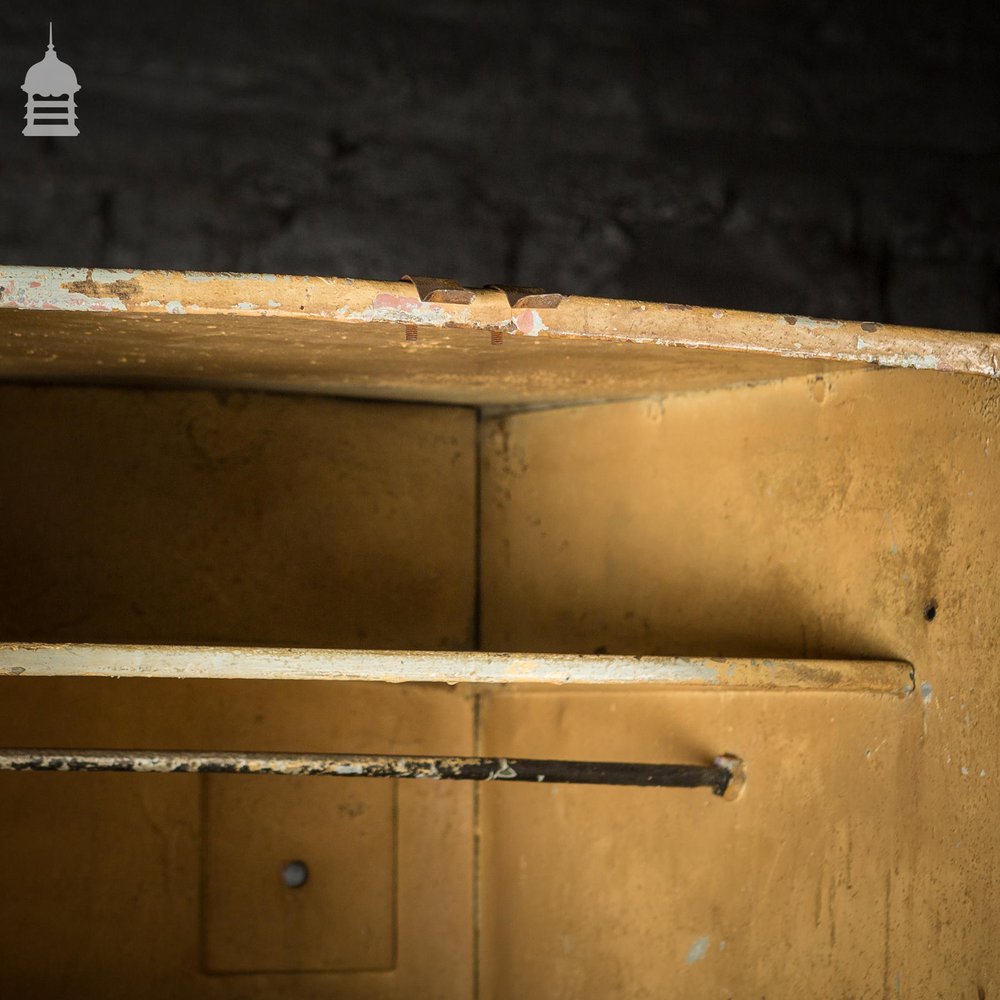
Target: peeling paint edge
577, 318
85, 660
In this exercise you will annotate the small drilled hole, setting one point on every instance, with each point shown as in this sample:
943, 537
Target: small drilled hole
295, 874
930, 611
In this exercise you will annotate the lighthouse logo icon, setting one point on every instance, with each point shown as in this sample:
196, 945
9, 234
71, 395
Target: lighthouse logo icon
51, 87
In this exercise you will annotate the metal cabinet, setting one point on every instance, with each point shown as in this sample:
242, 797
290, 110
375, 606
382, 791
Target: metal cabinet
250, 521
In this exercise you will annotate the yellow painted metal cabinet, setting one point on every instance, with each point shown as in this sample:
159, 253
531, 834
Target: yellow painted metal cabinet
290, 516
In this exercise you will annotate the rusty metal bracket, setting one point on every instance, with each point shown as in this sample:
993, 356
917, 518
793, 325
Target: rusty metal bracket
440, 290
447, 290
529, 298
726, 776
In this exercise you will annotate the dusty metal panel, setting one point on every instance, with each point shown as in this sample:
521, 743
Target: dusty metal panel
852, 515
113, 865
341, 918
199, 517
82, 660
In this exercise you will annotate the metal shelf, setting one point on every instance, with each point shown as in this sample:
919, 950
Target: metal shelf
889, 677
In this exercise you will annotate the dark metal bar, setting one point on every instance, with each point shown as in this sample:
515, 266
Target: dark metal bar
724, 777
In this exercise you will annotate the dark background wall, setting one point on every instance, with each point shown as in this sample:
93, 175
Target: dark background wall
815, 156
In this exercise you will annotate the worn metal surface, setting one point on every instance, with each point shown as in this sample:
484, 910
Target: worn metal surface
342, 919
270, 513
808, 518
172, 858
333, 334
271, 520
811, 517
717, 776
88, 660
388, 360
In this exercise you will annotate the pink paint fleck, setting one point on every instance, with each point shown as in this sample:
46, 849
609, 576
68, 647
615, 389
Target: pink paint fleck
384, 300
529, 322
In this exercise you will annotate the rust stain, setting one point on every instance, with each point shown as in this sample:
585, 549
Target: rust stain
128, 291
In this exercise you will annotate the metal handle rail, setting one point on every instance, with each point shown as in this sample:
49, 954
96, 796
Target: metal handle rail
726, 776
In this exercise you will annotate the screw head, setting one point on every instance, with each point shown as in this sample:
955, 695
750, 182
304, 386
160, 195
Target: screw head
295, 874
738, 771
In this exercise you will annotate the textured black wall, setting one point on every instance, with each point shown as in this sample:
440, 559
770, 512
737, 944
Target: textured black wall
832, 157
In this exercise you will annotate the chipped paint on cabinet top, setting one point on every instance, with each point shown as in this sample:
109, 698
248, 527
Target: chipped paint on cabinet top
342, 304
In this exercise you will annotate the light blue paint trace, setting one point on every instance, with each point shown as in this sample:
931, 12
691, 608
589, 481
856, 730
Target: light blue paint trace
698, 950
